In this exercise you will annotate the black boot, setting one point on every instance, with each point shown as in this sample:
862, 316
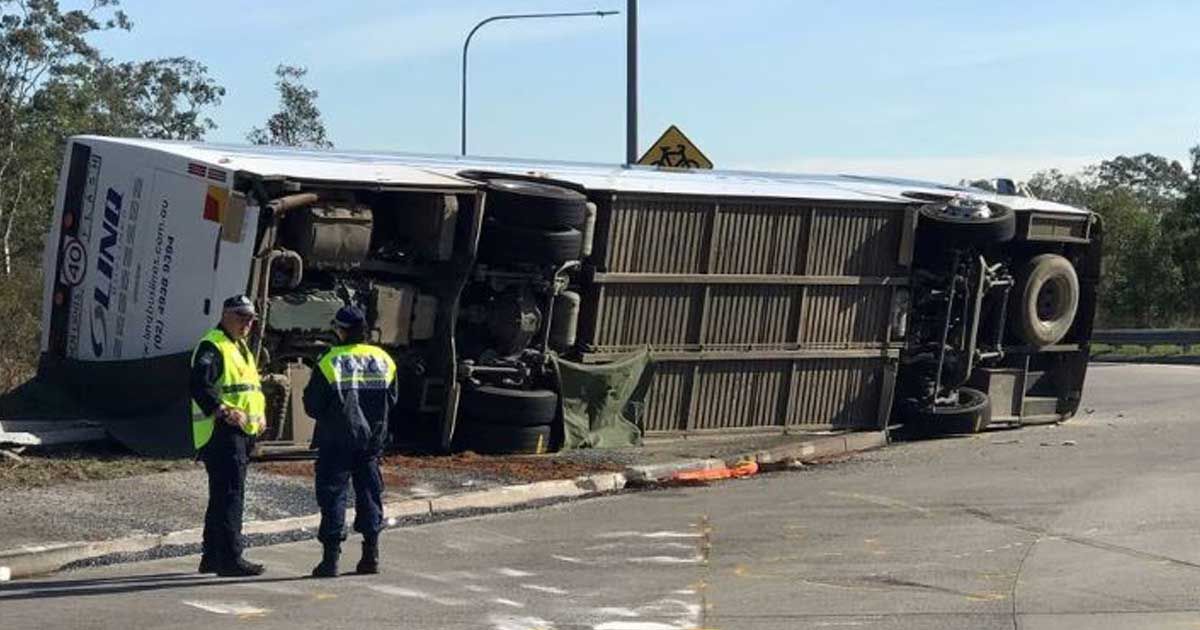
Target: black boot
239, 567
208, 564
328, 567
370, 557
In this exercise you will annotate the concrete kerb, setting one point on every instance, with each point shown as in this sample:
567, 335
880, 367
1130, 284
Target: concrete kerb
811, 451
32, 561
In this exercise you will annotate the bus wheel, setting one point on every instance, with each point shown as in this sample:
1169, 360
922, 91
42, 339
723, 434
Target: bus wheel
495, 439
535, 205
1047, 297
971, 414
513, 407
967, 221
501, 243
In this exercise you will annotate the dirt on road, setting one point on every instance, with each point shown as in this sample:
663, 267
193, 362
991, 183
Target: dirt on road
400, 471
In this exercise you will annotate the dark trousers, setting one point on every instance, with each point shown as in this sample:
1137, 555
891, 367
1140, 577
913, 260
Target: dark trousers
226, 499
335, 470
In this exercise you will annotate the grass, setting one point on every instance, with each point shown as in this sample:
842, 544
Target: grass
1155, 351
73, 464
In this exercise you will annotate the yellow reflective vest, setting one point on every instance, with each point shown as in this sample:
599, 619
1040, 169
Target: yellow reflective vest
240, 388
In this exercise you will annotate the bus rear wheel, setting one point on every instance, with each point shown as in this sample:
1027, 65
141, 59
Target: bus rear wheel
965, 221
970, 413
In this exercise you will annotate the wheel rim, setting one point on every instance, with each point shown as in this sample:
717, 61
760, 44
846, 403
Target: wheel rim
1051, 302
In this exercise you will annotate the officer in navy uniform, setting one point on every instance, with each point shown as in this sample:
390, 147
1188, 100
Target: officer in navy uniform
228, 410
350, 396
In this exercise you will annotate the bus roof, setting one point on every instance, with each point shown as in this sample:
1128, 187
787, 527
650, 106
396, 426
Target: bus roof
410, 169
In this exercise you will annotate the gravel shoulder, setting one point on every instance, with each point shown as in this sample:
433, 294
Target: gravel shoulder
90, 496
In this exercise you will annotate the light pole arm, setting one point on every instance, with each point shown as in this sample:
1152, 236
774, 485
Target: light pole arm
495, 18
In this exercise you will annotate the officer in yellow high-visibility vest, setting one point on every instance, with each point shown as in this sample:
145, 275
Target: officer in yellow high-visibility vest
351, 395
228, 410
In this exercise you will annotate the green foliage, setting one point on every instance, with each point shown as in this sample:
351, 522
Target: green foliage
298, 121
20, 310
55, 83
1151, 211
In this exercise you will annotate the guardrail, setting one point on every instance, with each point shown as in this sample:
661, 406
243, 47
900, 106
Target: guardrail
1147, 337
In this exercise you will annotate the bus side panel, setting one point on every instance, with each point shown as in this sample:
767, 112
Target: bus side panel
143, 245
763, 313
142, 254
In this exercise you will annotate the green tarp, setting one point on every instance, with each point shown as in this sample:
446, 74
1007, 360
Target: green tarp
603, 405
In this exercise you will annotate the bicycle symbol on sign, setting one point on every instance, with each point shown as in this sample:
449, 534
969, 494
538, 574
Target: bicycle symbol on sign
675, 158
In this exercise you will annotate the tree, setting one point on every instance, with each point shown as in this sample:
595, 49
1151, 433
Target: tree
1158, 183
1151, 252
1055, 185
1182, 229
298, 121
54, 83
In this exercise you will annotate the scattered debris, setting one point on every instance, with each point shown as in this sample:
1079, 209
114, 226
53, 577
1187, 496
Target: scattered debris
14, 454
396, 469
1063, 443
1000, 442
744, 469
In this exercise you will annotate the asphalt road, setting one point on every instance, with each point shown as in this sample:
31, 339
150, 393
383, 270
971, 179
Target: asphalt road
1093, 525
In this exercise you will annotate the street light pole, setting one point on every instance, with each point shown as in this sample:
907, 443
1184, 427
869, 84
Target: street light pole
495, 18
631, 100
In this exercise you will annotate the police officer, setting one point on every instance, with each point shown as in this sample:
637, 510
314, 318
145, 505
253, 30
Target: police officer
350, 395
228, 410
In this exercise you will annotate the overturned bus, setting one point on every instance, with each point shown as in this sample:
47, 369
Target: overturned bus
769, 302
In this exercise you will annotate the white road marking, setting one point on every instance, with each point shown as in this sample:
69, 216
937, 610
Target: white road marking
227, 608
659, 534
410, 593
507, 572
682, 615
475, 588
508, 602
664, 560
612, 546
636, 625
624, 534
569, 559
432, 577
554, 590
506, 622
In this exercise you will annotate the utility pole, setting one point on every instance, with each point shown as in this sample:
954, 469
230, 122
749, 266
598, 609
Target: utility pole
631, 100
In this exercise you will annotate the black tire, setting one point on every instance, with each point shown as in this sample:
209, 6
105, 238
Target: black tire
972, 414
1045, 300
495, 439
501, 243
535, 205
950, 230
509, 407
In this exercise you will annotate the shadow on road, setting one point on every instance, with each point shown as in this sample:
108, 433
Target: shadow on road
51, 589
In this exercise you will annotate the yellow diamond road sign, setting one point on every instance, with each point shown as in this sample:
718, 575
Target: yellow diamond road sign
674, 150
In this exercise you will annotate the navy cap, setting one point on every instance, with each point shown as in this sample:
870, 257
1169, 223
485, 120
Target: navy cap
240, 304
349, 317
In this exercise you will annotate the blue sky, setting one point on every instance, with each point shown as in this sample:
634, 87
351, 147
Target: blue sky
940, 90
